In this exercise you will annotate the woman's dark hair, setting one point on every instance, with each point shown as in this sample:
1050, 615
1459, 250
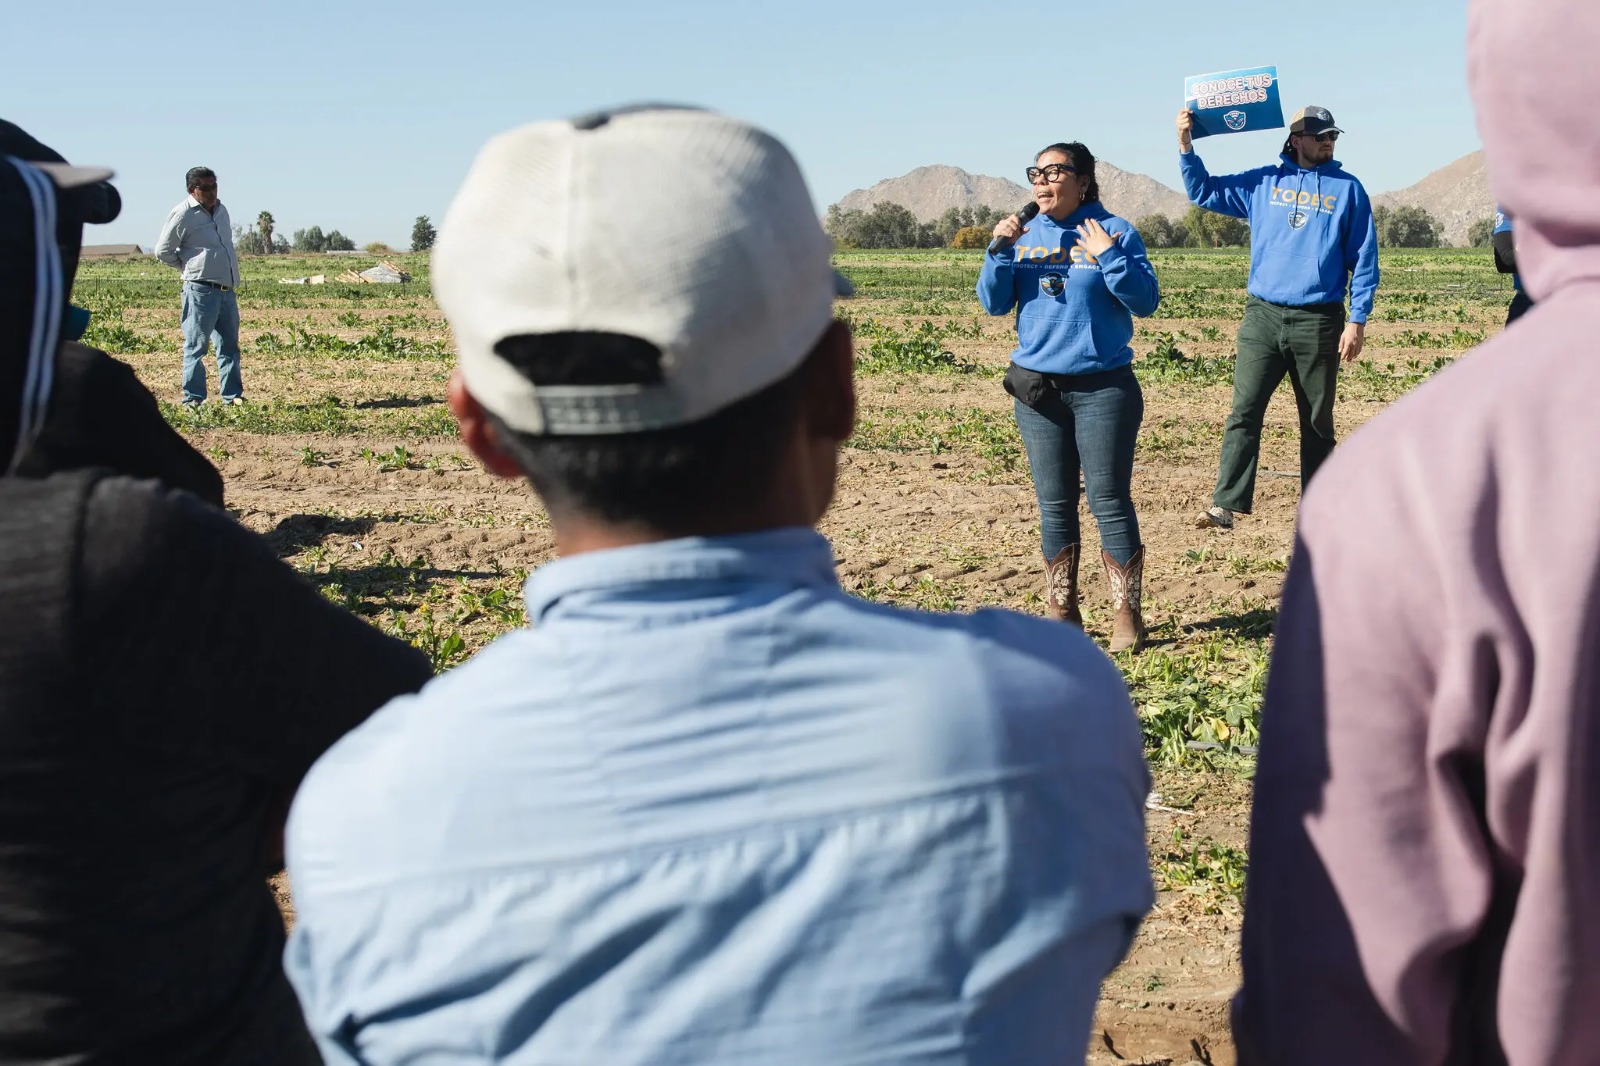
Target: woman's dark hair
1082, 162
674, 480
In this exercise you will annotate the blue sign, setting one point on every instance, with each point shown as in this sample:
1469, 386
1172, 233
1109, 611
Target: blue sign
1233, 101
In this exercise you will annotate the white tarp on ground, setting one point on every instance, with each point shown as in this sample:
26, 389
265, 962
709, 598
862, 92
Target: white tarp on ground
385, 273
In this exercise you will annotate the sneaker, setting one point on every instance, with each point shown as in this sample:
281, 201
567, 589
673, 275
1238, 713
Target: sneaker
192, 405
1215, 518
237, 401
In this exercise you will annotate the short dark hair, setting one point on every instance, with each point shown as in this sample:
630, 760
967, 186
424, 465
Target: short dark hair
1082, 162
669, 480
196, 175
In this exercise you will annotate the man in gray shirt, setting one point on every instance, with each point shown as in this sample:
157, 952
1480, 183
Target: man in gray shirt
197, 239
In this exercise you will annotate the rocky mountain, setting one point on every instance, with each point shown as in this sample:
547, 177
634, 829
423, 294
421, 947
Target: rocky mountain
1457, 195
1135, 195
928, 192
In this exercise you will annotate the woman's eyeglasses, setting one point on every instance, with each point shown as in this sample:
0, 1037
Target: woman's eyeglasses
1053, 172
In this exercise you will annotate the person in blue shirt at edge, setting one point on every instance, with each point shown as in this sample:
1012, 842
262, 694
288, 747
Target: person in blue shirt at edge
1311, 238
708, 808
1076, 274
1505, 261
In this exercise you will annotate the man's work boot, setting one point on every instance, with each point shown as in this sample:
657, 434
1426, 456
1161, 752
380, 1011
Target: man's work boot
1127, 632
1061, 586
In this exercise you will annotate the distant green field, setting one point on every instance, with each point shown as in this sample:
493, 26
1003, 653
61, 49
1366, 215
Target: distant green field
1438, 279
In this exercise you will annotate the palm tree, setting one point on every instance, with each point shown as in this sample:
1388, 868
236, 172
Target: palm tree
264, 224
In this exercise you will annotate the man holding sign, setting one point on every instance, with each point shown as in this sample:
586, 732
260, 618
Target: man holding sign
1311, 238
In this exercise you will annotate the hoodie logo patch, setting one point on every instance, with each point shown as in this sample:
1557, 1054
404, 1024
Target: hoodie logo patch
1052, 284
1235, 120
1298, 218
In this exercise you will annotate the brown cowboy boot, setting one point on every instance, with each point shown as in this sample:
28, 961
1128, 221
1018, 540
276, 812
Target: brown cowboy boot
1061, 586
1127, 632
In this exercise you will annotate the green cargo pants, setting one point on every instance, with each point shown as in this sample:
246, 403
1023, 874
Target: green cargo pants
1274, 340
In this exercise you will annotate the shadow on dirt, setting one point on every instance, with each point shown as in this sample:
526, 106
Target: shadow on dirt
1250, 625
297, 532
392, 402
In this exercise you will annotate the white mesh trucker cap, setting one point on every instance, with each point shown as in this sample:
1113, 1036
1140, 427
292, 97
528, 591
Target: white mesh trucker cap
684, 228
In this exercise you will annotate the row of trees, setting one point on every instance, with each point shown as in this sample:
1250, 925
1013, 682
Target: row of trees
1407, 227
890, 225
1196, 229
1481, 233
263, 240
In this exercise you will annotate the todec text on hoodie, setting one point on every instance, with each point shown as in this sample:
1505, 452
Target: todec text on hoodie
1074, 310
1311, 230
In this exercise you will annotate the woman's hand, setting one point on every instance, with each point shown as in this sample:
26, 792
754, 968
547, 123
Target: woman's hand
1008, 229
1093, 238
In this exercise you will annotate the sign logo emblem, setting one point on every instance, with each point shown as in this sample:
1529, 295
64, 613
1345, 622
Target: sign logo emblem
1298, 218
1235, 120
1052, 284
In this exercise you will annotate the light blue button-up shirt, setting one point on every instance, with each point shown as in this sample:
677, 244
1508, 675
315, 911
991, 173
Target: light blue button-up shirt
711, 809
199, 243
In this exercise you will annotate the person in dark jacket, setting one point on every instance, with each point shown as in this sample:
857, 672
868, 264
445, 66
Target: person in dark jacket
165, 682
1505, 261
91, 409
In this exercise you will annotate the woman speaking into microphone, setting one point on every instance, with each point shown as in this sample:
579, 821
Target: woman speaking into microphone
1076, 274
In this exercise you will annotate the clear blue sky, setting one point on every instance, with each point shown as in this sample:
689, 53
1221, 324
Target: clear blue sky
362, 116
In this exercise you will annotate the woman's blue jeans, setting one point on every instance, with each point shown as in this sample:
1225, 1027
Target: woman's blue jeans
1087, 421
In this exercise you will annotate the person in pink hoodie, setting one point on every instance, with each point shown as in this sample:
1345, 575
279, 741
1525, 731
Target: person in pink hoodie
1425, 842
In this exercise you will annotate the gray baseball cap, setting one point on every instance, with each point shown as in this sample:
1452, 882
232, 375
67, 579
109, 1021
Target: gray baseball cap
1313, 119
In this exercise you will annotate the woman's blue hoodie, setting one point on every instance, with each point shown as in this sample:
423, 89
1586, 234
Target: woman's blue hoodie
1074, 312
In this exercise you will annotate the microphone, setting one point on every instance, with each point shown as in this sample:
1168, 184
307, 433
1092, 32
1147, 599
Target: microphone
1024, 216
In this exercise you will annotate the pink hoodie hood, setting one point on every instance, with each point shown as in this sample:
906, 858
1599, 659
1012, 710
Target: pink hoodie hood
1535, 92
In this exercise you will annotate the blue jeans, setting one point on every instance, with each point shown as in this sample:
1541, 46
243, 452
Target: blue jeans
1089, 421
209, 312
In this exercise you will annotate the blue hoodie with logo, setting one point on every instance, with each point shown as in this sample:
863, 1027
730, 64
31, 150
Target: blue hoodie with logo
1074, 311
1311, 230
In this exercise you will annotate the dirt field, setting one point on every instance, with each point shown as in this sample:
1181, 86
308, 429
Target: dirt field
345, 458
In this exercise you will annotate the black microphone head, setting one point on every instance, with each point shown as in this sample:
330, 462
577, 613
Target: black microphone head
1028, 211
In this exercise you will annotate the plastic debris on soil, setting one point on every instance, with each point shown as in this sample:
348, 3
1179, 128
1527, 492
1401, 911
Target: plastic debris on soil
385, 273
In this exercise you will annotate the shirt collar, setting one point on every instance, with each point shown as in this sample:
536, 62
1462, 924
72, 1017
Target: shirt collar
797, 555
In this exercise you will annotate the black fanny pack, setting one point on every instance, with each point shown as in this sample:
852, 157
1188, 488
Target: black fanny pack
1027, 387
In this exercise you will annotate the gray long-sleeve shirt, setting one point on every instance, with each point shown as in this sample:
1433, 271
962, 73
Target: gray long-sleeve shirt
199, 243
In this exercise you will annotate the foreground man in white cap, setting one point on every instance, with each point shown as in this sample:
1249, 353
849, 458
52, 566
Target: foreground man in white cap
707, 808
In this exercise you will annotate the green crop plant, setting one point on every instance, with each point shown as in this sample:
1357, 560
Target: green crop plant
1211, 871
